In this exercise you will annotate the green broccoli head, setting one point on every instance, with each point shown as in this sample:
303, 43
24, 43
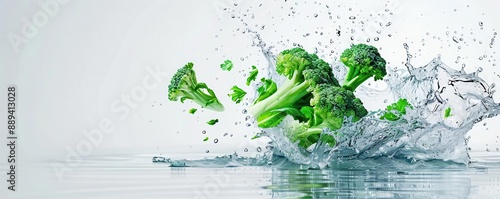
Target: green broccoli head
293, 61
363, 61
183, 81
333, 104
320, 73
184, 85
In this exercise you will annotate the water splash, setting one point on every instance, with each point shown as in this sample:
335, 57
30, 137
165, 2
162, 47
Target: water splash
423, 134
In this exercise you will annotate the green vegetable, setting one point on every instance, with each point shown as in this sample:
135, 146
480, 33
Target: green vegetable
206, 139
303, 71
227, 65
213, 121
253, 75
363, 61
447, 112
266, 89
184, 85
330, 106
312, 95
193, 110
395, 110
237, 94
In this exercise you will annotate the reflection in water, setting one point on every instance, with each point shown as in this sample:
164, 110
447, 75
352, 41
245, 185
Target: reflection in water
369, 184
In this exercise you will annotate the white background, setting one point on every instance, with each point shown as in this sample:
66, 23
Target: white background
90, 53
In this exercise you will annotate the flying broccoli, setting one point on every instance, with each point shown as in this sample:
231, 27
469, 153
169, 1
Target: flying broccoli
303, 71
396, 110
312, 95
184, 85
330, 106
362, 61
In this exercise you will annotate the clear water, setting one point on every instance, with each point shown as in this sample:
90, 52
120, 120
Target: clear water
135, 176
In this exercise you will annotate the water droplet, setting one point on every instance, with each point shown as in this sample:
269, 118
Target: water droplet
368, 40
388, 24
385, 100
225, 134
203, 132
207, 151
244, 111
352, 17
247, 118
488, 149
480, 23
260, 149
315, 15
376, 39
246, 150
248, 125
216, 140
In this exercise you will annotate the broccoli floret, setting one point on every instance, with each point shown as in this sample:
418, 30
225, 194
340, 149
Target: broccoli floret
184, 85
330, 106
303, 71
363, 61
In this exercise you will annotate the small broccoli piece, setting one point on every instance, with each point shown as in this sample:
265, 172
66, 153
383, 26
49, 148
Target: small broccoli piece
213, 122
227, 65
363, 61
253, 75
237, 94
303, 71
184, 85
447, 112
192, 111
394, 111
206, 139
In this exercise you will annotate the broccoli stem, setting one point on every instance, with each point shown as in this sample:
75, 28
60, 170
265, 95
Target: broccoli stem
285, 96
309, 132
351, 73
202, 99
353, 83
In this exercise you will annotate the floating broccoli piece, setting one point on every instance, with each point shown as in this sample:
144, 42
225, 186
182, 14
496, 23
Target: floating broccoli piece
227, 65
447, 112
206, 139
363, 61
395, 110
237, 94
184, 85
192, 111
213, 121
253, 75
